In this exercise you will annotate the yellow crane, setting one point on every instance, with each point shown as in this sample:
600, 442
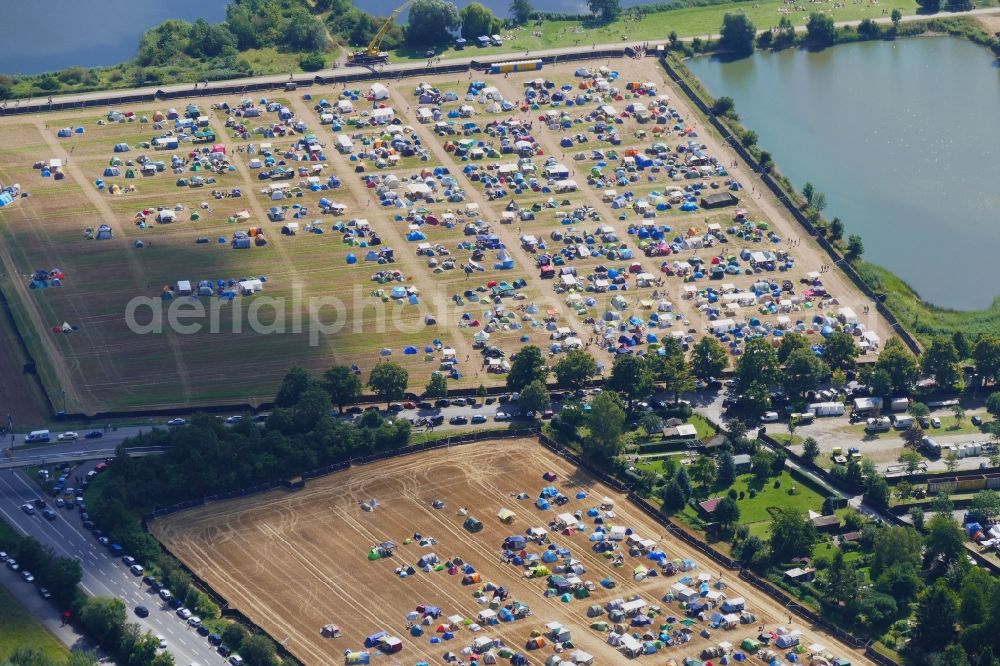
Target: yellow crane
373, 53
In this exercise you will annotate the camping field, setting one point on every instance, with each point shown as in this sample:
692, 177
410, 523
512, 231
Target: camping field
105, 364
294, 562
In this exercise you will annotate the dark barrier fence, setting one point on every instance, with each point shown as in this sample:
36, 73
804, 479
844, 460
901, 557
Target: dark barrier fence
789, 205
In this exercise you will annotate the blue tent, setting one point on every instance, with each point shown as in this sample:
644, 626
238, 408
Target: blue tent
351, 259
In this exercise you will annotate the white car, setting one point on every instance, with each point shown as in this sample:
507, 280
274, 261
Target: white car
68, 436
183, 613
28, 578
501, 416
165, 594
769, 417
136, 569
194, 620
162, 640
176, 422
234, 419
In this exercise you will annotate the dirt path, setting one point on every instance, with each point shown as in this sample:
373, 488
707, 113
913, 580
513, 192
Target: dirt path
406, 259
108, 216
524, 261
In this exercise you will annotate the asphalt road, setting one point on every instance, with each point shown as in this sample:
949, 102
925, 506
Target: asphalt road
103, 574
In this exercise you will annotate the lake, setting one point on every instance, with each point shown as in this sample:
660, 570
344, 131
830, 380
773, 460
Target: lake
107, 32
901, 138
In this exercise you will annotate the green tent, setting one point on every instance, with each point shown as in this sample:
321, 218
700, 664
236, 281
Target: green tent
473, 524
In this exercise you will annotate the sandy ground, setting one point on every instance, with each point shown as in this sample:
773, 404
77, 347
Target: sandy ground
296, 561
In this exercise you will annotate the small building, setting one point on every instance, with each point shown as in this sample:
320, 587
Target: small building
801, 575
707, 507
826, 523
719, 200
685, 432
742, 462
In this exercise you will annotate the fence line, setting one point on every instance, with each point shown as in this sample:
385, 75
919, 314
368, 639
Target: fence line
790, 206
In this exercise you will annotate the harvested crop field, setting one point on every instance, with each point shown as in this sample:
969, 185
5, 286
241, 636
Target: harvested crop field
294, 562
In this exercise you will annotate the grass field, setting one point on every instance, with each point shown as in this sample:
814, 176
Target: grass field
294, 562
107, 363
19, 629
755, 512
924, 319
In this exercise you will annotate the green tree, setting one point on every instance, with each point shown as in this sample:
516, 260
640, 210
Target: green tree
918, 410
605, 10
819, 202
940, 360
896, 17
79, 658
877, 609
911, 460
388, 381
792, 534
103, 618
672, 496
810, 449
630, 378
750, 549
303, 32
959, 5
916, 515
808, 191
836, 229
958, 412
233, 635
757, 365
312, 62
606, 423
951, 461
986, 356
877, 491
855, 247
343, 385
703, 471
791, 342
936, 617
985, 504
258, 650
520, 11
437, 386
944, 539
478, 20
575, 369
976, 596
727, 512
737, 34
535, 397
899, 365
993, 404
761, 465
803, 372
708, 358
727, 469
902, 581
293, 385
749, 139
431, 22
820, 29
723, 106
839, 351
526, 365
843, 583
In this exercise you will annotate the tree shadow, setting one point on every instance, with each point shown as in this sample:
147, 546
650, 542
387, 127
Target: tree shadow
729, 56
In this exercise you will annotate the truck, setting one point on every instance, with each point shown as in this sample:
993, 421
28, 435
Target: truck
38, 436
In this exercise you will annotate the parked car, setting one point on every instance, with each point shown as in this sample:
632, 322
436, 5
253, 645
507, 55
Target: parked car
234, 419
136, 569
49, 514
142, 611
44, 593
162, 641
28, 578
183, 613
935, 422
769, 417
165, 594
94, 434
458, 420
501, 416
176, 422
28, 508
68, 436
479, 418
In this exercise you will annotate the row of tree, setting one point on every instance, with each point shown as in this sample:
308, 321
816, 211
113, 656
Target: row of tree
60, 575
29, 655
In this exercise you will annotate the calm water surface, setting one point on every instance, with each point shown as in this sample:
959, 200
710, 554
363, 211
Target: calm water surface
901, 137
